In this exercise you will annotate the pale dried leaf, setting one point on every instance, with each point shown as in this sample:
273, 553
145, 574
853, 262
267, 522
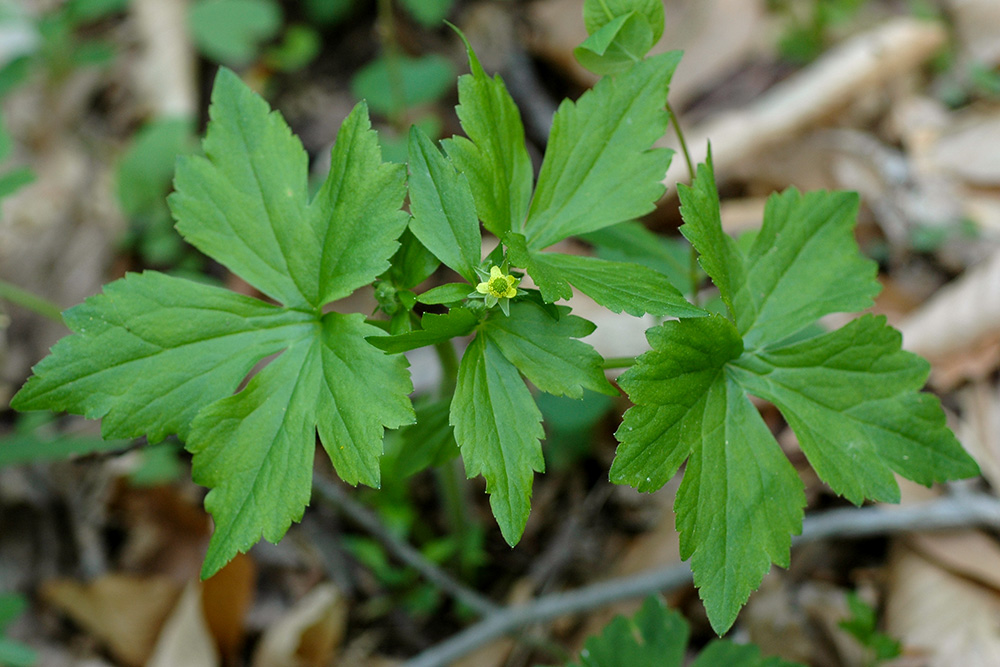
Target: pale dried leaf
185, 639
958, 315
124, 612
862, 64
944, 616
971, 148
309, 634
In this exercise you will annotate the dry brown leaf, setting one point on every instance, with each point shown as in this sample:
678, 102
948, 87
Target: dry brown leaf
970, 148
968, 553
185, 638
943, 616
309, 634
226, 598
958, 315
979, 430
124, 612
860, 65
978, 24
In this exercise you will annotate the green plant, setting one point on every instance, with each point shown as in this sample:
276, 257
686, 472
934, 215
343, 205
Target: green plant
12, 653
657, 637
157, 355
862, 624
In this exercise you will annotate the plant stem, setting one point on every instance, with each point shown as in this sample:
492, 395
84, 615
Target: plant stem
618, 362
449, 367
959, 511
693, 263
32, 302
387, 35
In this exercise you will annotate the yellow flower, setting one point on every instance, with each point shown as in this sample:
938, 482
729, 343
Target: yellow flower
499, 285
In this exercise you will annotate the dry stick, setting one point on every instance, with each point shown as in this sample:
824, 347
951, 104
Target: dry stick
334, 495
959, 511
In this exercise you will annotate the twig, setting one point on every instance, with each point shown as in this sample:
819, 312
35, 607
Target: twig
332, 494
958, 511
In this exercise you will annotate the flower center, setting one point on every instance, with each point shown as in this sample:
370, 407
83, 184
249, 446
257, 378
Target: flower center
498, 287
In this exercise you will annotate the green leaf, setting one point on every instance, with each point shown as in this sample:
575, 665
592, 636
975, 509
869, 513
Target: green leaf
740, 499
255, 448
429, 442
633, 242
498, 428
252, 187
655, 637
730, 654
717, 251
493, 158
12, 605
429, 13
231, 31
804, 264
80, 11
444, 214
853, 399
156, 355
543, 349
449, 293
393, 84
434, 329
146, 169
412, 264
31, 447
599, 168
152, 350
299, 46
617, 45
15, 654
852, 396
620, 286
599, 13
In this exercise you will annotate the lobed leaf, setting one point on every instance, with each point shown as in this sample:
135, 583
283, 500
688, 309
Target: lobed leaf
498, 428
804, 264
255, 448
434, 329
444, 213
853, 398
545, 351
493, 158
599, 168
152, 350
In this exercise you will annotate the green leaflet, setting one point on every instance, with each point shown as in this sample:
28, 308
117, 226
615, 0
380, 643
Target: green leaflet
740, 499
255, 449
493, 158
599, 168
618, 286
157, 355
498, 428
632, 242
444, 214
616, 45
434, 329
657, 636
152, 350
245, 202
852, 396
717, 251
543, 349
599, 13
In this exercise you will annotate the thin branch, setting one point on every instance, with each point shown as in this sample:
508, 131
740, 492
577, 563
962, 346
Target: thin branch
959, 511
332, 494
